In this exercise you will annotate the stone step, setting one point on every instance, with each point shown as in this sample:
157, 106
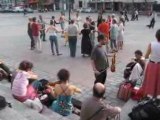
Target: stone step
5, 91
127, 108
11, 114
19, 107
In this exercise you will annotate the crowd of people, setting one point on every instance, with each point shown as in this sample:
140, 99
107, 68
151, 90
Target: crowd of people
110, 33
111, 27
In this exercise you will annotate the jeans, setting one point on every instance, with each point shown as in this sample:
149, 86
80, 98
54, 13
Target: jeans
101, 77
113, 44
32, 40
53, 41
72, 45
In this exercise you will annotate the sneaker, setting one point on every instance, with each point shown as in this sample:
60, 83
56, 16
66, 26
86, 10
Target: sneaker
59, 54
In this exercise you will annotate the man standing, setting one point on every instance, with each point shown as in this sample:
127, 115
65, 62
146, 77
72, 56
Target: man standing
30, 33
35, 33
103, 28
99, 60
72, 38
94, 109
42, 31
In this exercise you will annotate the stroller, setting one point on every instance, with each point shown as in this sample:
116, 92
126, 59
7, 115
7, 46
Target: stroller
133, 73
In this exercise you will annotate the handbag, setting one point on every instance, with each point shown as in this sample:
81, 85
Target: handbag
4, 103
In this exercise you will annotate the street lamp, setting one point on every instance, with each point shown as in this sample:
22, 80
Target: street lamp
69, 10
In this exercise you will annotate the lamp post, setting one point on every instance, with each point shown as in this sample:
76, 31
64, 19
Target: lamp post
69, 10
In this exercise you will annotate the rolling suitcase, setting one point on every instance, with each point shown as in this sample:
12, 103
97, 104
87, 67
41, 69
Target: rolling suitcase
124, 92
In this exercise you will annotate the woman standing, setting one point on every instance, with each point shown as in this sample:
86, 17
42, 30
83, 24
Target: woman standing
62, 22
63, 92
120, 35
53, 37
151, 85
86, 46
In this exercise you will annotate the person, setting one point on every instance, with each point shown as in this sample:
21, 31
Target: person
21, 90
99, 60
99, 19
120, 36
72, 31
103, 28
153, 20
30, 33
133, 15
24, 11
151, 84
113, 36
126, 16
5, 71
63, 92
54, 21
77, 20
95, 109
138, 69
86, 46
51, 30
35, 33
93, 30
62, 22
136, 14
42, 30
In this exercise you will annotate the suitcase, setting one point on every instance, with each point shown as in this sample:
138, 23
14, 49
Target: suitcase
124, 92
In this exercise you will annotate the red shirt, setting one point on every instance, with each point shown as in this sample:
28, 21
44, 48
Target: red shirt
104, 28
35, 29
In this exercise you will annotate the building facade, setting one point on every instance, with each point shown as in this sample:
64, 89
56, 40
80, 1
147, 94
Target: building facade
117, 5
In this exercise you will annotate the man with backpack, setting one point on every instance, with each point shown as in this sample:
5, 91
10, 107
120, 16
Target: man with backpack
134, 69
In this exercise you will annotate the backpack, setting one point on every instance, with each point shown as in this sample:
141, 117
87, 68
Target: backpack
128, 69
146, 110
40, 85
4, 103
3, 74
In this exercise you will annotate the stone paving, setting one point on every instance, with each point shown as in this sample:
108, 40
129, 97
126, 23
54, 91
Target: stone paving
15, 45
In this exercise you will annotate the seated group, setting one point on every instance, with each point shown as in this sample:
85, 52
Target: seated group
25, 86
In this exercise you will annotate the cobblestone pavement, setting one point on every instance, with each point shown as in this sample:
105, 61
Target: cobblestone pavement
15, 47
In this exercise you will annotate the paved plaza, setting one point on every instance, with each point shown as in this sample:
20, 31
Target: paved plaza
15, 47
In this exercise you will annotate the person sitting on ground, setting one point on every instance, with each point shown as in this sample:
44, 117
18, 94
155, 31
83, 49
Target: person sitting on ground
21, 90
137, 71
63, 92
5, 72
94, 108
